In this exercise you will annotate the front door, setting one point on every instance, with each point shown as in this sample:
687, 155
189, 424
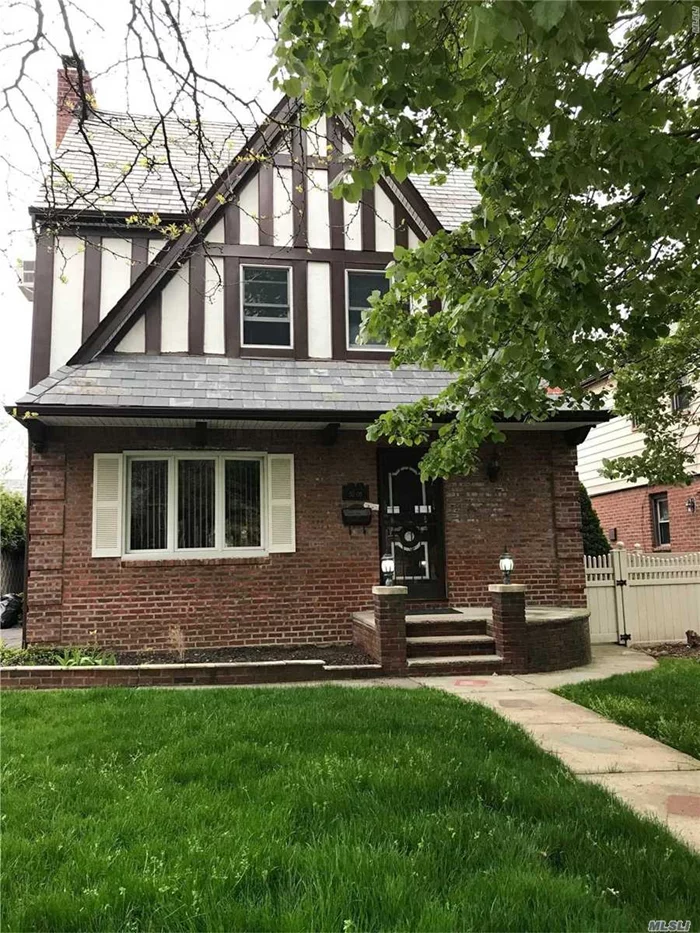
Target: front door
411, 524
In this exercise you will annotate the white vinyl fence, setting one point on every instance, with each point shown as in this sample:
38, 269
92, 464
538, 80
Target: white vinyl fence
648, 597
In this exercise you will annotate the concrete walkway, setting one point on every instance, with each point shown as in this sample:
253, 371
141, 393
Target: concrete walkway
650, 777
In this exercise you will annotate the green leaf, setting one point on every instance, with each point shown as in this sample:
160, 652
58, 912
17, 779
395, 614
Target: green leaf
548, 13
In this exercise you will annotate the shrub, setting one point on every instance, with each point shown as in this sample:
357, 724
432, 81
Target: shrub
13, 521
595, 543
34, 655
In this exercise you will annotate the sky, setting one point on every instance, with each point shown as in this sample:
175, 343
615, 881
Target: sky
225, 42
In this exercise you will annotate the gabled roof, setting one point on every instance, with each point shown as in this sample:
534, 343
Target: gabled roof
119, 162
175, 252
262, 141
124, 166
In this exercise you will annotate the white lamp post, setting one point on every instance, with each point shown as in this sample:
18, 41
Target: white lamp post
387, 569
506, 564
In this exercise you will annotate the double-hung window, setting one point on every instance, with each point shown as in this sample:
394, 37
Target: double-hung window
661, 519
266, 307
360, 285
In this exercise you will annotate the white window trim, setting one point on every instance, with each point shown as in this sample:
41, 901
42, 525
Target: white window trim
172, 551
359, 347
290, 295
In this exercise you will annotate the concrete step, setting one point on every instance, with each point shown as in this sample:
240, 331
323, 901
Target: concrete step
444, 625
474, 664
449, 645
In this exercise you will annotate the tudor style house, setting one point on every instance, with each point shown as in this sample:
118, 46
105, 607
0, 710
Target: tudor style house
198, 406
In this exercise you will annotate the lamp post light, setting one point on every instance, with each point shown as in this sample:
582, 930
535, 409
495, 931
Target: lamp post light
387, 569
506, 564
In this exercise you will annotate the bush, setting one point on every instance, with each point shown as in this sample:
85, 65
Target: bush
35, 655
595, 544
13, 521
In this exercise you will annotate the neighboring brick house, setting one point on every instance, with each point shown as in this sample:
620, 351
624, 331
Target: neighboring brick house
655, 518
198, 409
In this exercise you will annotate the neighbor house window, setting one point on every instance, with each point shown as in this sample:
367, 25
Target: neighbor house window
360, 285
662, 524
682, 398
266, 306
195, 502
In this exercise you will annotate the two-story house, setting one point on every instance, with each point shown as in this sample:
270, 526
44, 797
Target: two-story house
198, 406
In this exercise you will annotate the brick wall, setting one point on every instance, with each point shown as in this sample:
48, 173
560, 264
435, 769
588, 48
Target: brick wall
629, 511
297, 598
532, 509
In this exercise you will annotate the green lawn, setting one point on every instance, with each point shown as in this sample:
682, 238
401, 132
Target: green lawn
663, 703
312, 809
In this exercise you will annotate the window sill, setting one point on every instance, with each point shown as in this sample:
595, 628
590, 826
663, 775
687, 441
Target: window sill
660, 548
172, 560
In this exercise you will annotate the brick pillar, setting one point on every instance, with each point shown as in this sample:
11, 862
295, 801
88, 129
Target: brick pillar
567, 524
509, 628
390, 620
44, 596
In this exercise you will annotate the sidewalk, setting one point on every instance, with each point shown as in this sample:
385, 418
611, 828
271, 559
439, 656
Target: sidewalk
650, 777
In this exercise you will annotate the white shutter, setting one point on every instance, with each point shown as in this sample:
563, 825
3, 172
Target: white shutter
107, 505
280, 471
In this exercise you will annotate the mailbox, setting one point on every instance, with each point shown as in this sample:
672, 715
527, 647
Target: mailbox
357, 516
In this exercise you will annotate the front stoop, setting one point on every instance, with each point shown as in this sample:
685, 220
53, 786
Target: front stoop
456, 644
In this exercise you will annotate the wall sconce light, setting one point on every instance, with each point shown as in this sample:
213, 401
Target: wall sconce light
387, 569
506, 564
493, 468
690, 505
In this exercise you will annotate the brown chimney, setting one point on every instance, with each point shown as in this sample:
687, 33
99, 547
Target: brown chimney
74, 87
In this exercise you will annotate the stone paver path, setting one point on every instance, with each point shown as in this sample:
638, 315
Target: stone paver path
650, 777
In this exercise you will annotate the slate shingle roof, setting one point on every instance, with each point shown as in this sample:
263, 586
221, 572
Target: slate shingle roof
120, 141
201, 382
135, 167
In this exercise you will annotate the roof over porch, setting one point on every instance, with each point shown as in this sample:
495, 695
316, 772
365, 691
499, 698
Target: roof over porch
131, 389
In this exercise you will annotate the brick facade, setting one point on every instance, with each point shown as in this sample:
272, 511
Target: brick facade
304, 597
629, 511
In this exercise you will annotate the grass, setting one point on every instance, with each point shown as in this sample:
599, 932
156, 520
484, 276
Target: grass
312, 809
663, 702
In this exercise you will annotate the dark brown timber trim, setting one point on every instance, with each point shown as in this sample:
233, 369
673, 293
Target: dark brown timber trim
108, 332
266, 218
335, 205
368, 218
339, 338
232, 223
41, 312
288, 254
299, 188
92, 274
401, 225
232, 318
153, 317
195, 325
139, 256
301, 332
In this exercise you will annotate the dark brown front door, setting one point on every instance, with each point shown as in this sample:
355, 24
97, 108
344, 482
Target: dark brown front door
411, 524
